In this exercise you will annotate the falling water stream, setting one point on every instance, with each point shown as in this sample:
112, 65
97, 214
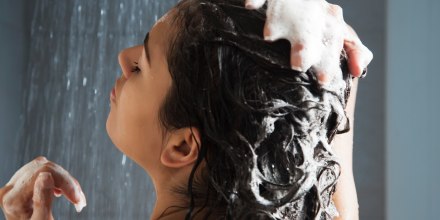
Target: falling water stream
72, 68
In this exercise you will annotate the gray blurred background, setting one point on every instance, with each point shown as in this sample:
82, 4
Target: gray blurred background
58, 62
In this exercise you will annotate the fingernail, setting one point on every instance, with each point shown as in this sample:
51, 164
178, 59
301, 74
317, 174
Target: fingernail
268, 38
297, 68
267, 33
254, 4
296, 61
249, 6
296, 58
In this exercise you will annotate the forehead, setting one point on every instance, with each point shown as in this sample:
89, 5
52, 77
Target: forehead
161, 32
165, 17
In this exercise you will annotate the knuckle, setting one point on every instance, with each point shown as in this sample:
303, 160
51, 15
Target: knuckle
41, 159
50, 165
336, 10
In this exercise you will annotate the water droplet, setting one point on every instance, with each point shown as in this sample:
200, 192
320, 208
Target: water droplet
51, 35
84, 81
68, 84
95, 91
79, 8
124, 159
121, 5
102, 11
69, 114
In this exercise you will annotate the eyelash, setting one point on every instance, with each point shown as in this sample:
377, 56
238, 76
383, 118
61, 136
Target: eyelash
135, 69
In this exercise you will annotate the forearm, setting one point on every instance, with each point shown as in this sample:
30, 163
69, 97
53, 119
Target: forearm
345, 197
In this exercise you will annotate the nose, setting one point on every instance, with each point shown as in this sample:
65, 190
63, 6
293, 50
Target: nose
127, 59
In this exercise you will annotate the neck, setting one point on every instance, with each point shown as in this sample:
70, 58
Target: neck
169, 206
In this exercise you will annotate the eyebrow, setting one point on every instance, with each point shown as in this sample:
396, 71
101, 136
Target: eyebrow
146, 47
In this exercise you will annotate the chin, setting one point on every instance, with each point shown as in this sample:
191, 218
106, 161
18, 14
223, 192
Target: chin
113, 134
110, 129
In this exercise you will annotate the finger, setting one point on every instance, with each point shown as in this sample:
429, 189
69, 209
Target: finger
266, 32
296, 60
254, 4
354, 62
42, 197
269, 34
359, 56
3, 191
66, 185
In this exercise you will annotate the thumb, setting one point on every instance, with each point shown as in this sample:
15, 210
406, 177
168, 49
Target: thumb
42, 197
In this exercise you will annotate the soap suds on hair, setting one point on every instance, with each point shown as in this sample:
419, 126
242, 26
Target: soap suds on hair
316, 31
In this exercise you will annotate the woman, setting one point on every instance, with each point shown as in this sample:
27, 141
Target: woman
219, 121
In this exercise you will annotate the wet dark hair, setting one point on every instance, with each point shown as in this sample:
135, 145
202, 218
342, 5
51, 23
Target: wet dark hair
265, 128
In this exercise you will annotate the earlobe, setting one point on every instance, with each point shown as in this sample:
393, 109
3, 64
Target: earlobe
182, 148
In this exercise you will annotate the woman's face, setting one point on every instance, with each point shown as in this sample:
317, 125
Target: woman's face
133, 122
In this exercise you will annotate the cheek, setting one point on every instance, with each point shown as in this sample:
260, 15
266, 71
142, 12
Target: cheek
133, 125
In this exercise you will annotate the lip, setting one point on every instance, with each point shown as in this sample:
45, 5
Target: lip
113, 94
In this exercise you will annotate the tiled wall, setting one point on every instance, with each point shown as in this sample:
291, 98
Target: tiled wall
13, 62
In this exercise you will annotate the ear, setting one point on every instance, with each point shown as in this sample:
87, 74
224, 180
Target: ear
182, 148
